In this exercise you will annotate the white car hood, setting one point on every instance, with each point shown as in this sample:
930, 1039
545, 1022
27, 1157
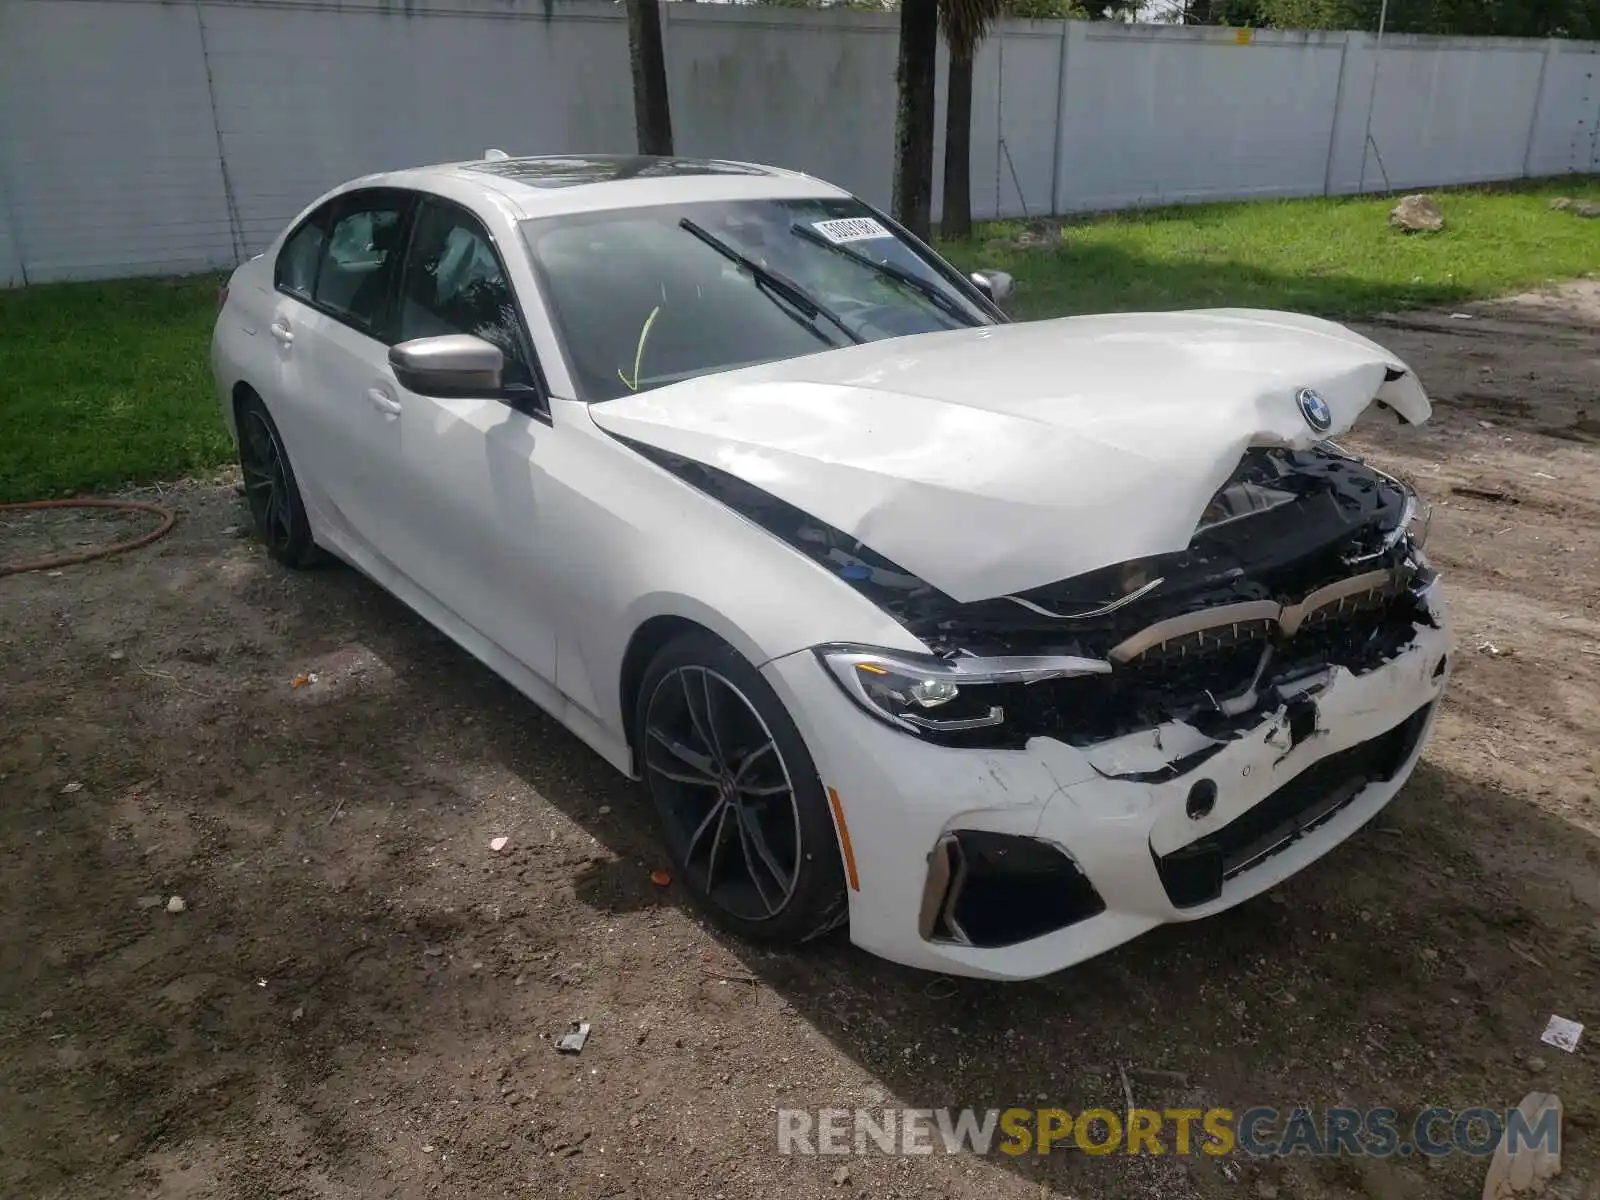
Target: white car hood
995, 460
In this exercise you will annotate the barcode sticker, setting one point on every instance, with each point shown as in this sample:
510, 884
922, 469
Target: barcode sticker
851, 229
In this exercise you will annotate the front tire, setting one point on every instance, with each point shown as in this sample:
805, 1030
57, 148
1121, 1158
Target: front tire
270, 488
736, 794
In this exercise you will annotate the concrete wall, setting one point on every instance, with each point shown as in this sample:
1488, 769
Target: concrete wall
1566, 128
108, 153
140, 136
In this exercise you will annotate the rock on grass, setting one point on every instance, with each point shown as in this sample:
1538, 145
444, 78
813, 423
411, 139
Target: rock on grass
1419, 213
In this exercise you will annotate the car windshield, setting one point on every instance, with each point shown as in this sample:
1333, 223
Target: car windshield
645, 297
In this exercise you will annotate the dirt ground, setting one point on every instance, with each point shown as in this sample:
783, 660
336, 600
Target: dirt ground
360, 997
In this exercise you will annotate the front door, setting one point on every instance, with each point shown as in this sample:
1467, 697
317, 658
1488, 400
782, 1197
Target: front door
464, 525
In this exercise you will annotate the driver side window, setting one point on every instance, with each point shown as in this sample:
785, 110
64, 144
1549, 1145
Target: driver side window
454, 283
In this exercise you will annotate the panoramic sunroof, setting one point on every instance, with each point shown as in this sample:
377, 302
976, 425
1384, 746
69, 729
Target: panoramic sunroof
574, 171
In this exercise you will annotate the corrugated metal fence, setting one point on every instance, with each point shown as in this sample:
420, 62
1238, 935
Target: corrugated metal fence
141, 136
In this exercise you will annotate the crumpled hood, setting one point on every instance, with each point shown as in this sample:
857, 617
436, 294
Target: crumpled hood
999, 459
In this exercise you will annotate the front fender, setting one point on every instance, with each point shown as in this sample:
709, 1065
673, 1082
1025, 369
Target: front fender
638, 543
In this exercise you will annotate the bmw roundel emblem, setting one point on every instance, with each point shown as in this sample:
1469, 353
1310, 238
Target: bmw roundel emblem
1314, 409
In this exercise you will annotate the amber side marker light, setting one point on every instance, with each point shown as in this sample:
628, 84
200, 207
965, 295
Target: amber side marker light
844, 841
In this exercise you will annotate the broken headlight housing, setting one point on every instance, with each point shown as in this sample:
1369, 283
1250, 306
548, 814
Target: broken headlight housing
1416, 515
960, 700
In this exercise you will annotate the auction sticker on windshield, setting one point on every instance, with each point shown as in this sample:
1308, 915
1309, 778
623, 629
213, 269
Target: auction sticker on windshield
851, 229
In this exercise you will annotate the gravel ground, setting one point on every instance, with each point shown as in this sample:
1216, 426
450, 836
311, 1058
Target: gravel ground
360, 997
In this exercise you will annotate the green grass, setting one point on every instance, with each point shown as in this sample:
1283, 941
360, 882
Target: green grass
103, 384
1335, 258
106, 384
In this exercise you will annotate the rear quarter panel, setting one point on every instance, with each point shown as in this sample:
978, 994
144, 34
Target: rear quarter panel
239, 338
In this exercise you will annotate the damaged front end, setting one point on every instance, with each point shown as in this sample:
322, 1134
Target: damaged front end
1303, 562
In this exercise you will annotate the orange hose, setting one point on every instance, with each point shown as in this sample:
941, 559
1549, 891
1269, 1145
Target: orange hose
166, 515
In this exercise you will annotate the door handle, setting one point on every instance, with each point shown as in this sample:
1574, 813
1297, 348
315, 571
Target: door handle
281, 331
383, 402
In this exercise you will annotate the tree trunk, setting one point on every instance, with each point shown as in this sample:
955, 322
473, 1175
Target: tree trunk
652, 117
957, 219
913, 126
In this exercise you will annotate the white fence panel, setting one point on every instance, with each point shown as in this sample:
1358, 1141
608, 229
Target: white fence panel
1015, 90
1443, 111
797, 89
110, 154
1161, 115
153, 136
310, 97
1566, 137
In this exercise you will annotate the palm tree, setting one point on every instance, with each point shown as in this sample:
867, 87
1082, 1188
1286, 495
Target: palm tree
913, 125
652, 117
965, 22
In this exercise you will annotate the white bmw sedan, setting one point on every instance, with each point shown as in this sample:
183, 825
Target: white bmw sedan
999, 642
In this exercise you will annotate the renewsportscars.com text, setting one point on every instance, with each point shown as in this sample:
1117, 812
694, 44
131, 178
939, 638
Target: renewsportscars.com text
1260, 1131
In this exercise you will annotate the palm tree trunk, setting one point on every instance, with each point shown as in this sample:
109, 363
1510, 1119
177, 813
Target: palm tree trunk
652, 116
957, 219
913, 127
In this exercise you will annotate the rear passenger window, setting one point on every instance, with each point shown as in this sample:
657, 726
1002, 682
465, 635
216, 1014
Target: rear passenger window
454, 283
296, 271
363, 253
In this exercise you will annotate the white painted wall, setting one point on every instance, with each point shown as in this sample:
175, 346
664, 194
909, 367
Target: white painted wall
798, 89
1443, 110
108, 153
141, 136
1566, 133
1159, 115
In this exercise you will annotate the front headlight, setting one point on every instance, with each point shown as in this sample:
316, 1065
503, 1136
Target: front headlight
1419, 521
954, 699
1416, 515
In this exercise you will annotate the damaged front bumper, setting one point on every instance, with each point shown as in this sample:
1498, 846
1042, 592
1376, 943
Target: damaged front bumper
1109, 840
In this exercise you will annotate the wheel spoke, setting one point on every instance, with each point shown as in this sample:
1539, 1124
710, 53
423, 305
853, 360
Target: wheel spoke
750, 858
762, 791
700, 713
277, 505
749, 760
260, 441
705, 770
716, 844
683, 777
784, 879
716, 811
716, 718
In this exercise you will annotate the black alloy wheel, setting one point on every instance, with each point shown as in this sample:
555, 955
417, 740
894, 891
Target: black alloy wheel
270, 488
741, 809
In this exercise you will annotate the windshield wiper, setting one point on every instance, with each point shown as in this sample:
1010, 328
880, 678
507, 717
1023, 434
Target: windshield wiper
889, 271
773, 283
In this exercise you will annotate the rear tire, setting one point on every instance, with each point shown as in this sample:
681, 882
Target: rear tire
270, 488
741, 810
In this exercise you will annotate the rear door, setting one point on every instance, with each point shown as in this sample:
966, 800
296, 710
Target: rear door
334, 325
283, 386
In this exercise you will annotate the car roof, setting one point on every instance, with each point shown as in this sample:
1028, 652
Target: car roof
548, 185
